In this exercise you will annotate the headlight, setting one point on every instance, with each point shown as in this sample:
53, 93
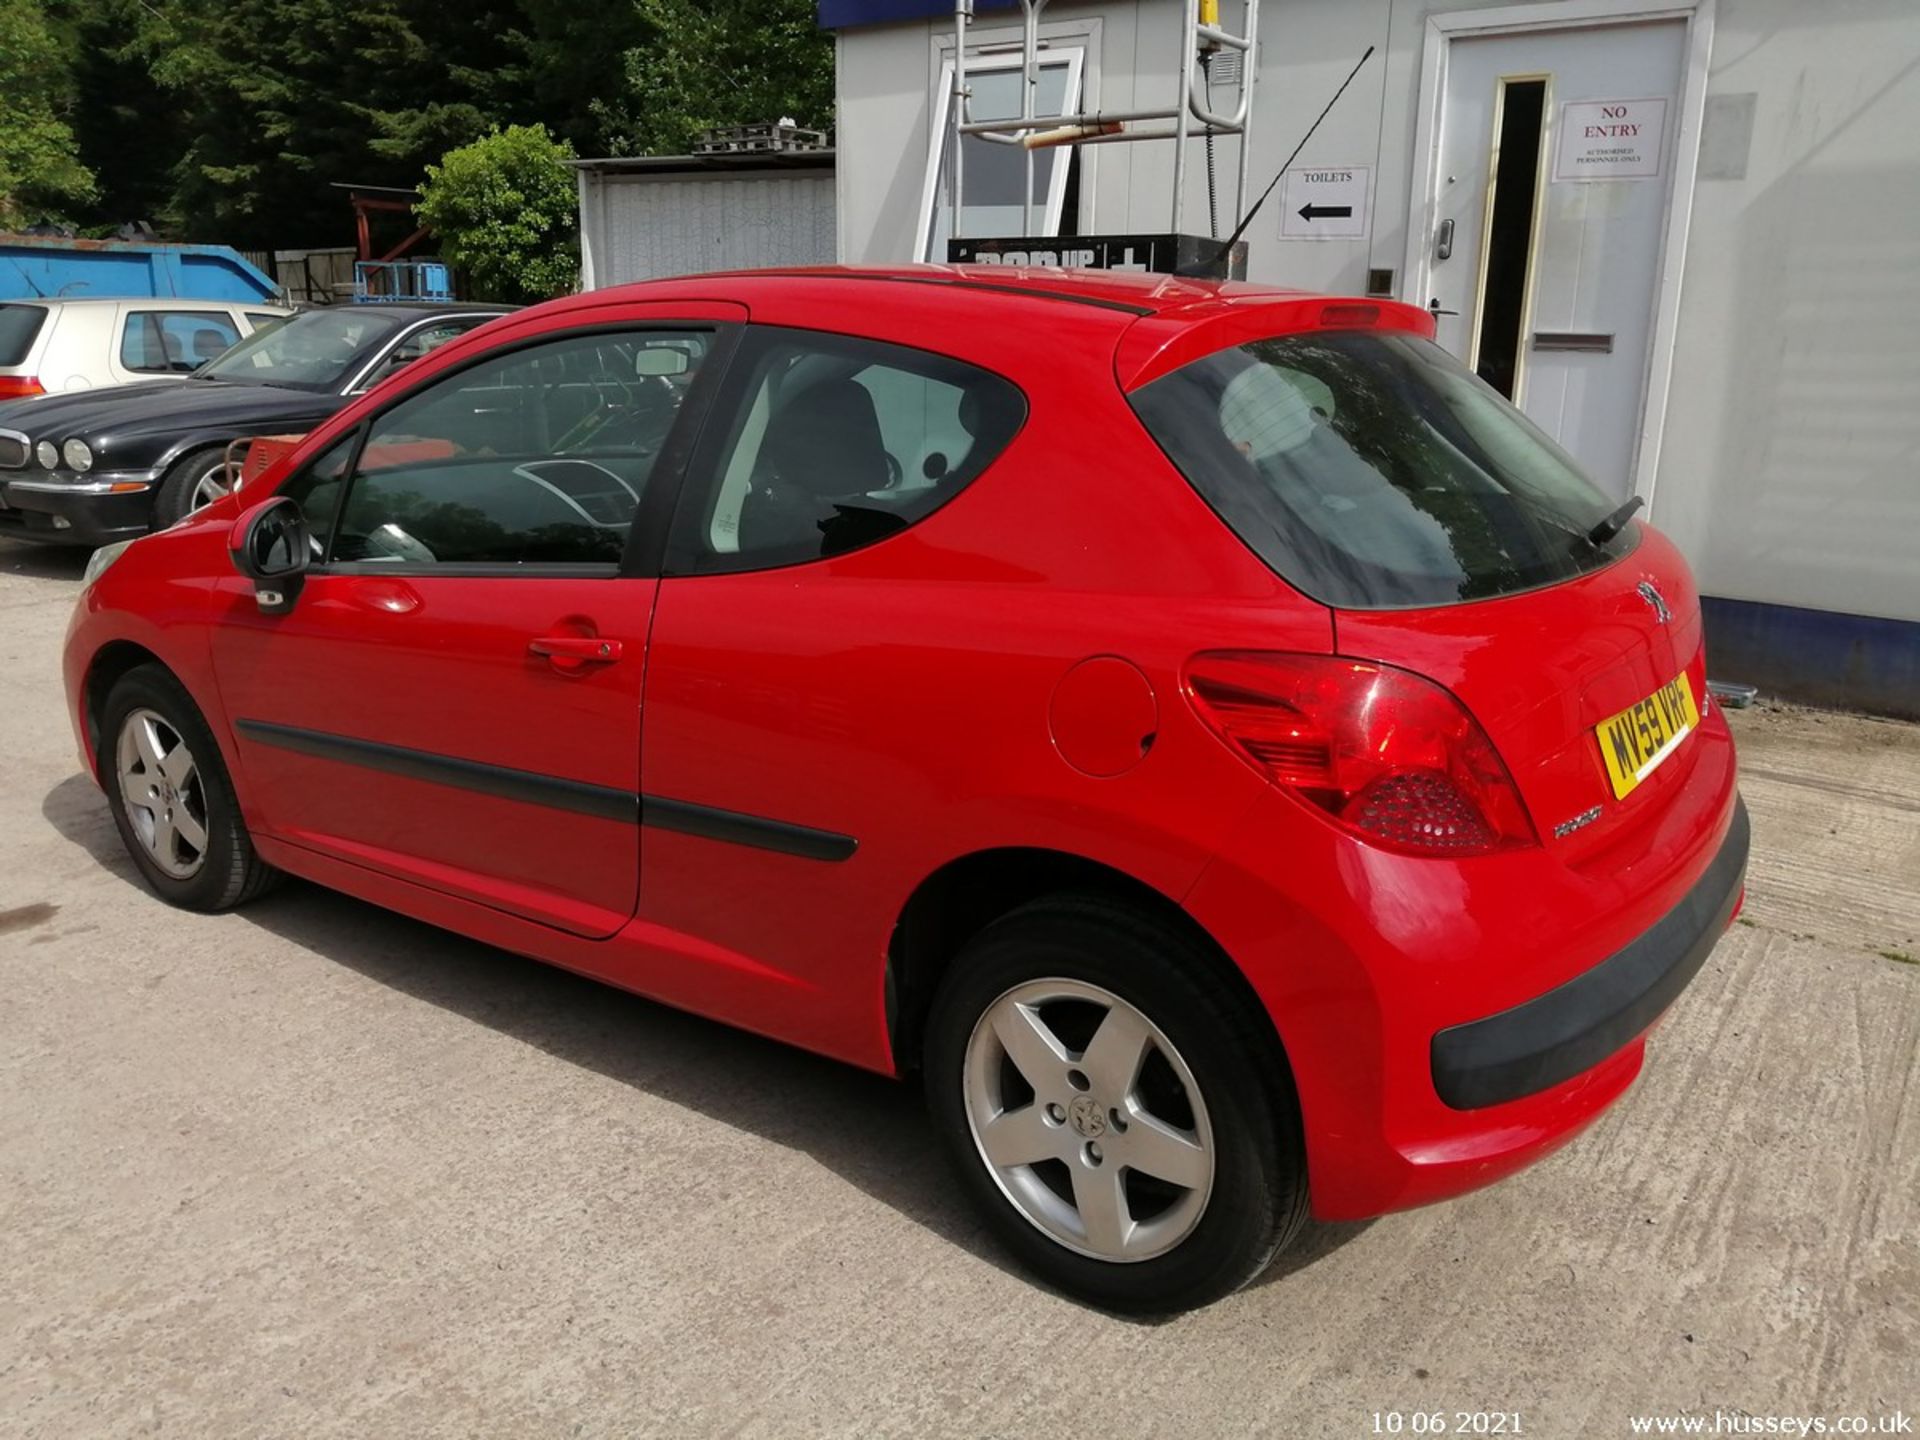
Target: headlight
48, 454
78, 455
98, 562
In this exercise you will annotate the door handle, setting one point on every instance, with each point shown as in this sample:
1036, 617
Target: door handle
1433, 308
1443, 242
570, 652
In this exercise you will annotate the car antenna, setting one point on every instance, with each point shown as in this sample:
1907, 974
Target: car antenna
1216, 268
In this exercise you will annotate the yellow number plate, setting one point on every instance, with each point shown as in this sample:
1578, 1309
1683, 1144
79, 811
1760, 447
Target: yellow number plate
1636, 740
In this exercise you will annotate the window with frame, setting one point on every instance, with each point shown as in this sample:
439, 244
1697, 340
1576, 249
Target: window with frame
164, 342
835, 443
994, 175
417, 344
537, 456
317, 488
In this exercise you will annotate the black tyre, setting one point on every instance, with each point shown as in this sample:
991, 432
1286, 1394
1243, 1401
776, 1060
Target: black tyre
195, 480
171, 796
1125, 1120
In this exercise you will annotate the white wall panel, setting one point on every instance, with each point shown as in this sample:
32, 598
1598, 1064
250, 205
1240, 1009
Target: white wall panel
1790, 462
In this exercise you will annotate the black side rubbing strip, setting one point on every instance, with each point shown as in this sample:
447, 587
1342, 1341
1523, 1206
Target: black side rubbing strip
1573, 1027
601, 801
712, 824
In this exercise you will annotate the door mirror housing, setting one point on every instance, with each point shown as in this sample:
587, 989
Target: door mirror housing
272, 546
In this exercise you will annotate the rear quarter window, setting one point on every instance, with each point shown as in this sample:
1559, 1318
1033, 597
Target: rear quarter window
834, 443
19, 325
175, 341
1373, 471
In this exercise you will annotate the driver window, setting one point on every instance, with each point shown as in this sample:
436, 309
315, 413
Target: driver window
538, 456
838, 443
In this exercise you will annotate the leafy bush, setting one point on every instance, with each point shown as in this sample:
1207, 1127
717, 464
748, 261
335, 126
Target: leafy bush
505, 210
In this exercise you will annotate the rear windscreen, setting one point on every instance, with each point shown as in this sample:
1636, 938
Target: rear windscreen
18, 325
1372, 470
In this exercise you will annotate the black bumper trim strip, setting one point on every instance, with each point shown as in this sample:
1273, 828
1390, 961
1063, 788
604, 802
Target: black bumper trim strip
703, 820
601, 801
1573, 1027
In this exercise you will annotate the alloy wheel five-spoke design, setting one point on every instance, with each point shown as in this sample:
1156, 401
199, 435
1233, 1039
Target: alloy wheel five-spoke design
211, 486
1089, 1120
166, 802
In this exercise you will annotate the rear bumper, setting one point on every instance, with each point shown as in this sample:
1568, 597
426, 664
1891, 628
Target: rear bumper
1535, 1046
1363, 958
77, 514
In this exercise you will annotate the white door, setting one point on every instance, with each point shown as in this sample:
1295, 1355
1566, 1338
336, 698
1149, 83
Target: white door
1553, 181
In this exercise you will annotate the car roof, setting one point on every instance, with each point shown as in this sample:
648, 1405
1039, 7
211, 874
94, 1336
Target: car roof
1156, 322
146, 302
421, 307
1125, 292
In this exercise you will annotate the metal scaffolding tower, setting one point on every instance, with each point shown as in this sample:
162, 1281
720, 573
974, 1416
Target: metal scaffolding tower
1202, 38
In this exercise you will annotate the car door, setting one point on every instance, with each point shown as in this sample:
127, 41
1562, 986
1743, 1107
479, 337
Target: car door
455, 697
797, 690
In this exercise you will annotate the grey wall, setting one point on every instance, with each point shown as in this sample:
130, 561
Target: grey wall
639, 226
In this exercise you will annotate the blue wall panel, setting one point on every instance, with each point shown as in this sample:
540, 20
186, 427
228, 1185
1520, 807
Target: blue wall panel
1857, 662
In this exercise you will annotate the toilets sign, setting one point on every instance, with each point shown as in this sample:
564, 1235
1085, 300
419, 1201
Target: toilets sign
1325, 202
1610, 139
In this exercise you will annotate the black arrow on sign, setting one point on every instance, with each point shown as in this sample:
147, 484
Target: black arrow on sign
1310, 213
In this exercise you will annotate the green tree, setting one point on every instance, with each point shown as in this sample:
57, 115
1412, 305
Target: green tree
504, 211
702, 63
41, 177
128, 128
281, 100
234, 120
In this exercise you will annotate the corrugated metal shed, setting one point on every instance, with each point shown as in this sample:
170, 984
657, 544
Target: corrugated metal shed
650, 216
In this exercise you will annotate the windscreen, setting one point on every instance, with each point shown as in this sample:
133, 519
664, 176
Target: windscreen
1373, 471
312, 351
18, 325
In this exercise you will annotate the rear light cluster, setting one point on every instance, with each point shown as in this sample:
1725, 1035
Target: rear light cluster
1391, 757
18, 387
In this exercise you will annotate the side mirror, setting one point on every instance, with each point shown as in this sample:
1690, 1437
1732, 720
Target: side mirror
271, 546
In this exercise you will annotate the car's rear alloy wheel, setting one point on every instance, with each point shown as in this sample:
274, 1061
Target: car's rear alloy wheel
171, 797
160, 783
1089, 1119
1117, 1103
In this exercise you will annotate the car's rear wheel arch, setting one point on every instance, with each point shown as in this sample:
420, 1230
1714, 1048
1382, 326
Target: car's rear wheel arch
964, 896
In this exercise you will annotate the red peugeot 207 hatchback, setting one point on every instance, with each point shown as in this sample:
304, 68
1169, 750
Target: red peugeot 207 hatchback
1238, 761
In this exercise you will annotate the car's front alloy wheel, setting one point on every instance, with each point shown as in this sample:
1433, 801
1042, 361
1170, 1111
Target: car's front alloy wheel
160, 783
196, 481
171, 797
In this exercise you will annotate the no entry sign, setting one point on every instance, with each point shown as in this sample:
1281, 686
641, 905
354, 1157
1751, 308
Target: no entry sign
1610, 139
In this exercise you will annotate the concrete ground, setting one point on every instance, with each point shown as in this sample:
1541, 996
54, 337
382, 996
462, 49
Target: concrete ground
315, 1170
